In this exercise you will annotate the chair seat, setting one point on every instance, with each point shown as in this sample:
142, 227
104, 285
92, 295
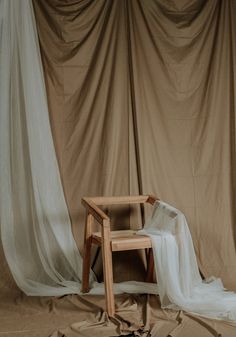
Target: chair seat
124, 240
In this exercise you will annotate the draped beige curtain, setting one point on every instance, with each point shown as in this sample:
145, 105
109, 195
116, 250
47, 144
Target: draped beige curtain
141, 98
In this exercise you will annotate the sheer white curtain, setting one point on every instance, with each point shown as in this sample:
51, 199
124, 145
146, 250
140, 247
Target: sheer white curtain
35, 225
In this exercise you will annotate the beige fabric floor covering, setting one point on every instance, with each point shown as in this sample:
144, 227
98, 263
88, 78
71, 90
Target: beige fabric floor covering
74, 316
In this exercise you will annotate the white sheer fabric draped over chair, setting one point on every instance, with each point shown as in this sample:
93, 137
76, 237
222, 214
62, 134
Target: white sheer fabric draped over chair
179, 282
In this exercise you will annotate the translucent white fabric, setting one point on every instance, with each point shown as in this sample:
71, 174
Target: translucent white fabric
35, 226
179, 282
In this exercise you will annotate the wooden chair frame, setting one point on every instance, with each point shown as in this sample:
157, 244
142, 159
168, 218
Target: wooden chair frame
94, 212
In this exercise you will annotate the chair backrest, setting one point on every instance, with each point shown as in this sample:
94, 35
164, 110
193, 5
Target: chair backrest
132, 199
92, 203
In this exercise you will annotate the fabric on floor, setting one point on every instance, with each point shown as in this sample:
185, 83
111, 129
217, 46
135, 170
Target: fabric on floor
73, 316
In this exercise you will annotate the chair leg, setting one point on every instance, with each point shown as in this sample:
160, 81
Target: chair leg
107, 270
87, 253
150, 266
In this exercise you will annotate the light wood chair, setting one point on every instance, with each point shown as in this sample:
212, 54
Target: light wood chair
111, 241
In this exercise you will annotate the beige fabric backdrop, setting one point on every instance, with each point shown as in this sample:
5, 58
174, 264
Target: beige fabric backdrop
141, 99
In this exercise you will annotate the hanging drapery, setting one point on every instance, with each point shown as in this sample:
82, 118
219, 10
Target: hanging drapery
142, 92
35, 225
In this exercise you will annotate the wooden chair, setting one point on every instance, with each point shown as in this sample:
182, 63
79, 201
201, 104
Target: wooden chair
111, 241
